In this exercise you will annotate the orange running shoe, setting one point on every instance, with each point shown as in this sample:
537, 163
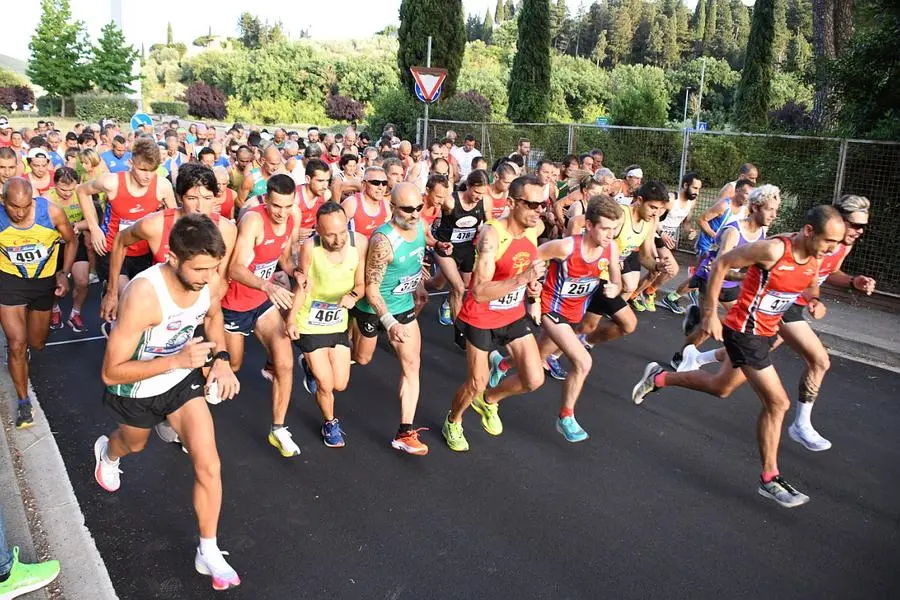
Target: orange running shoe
409, 442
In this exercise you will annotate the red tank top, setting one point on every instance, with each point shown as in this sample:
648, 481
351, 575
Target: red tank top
571, 282
767, 294
362, 222
429, 216
123, 210
42, 190
227, 207
241, 298
828, 265
308, 213
498, 206
514, 256
168, 221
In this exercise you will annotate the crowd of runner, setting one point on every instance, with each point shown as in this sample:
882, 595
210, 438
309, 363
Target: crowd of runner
201, 236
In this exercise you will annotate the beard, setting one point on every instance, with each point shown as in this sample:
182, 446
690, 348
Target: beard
403, 223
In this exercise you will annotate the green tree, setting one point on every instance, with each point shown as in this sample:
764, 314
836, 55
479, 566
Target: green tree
250, 31
444, 22
741, 23
511, 9
598, 55
169, 38
620, 36
799, 55
722, 44
58, 51
709, 28
473, 28
10, 79
112, 61
487, 28
500, 12
639, 96
752, 96
558, 14
698, 25
529, 79
782, 33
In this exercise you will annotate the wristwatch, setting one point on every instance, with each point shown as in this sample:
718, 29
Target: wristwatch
222, 355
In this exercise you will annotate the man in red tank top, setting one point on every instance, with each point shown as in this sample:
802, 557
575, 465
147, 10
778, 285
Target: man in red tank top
369, 209
507, 270
797, 333
311, 195
224, 201
780, 269
196, 188
131, 195
252, 304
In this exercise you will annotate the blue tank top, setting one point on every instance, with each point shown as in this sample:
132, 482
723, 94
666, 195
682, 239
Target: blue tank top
706, 264
705, 242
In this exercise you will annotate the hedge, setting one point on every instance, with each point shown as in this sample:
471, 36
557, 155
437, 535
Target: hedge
49, 106
174, 109
93, 107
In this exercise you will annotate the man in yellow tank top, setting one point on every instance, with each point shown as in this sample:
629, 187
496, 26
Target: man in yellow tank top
329, 282
30, 234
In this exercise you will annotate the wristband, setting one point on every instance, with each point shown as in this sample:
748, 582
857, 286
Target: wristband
388, 321
353, 294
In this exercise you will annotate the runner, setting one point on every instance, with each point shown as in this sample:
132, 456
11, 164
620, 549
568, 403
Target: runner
493, 313
9, 166
631, 181
369, 209
394, 292
797, 333
587, 188
152, 372
175, 157
311, 196
41, 175
116, 158
330, 280
780, 269
255, 178
265, 239
578, 265
195, 190
499, 190
30, 233
746, 171
224, 203
130, 195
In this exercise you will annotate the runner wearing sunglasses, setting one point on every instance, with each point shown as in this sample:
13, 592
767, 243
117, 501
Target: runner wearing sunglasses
369, 209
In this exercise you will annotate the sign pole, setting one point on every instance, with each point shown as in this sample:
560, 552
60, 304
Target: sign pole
425, 135
700, 94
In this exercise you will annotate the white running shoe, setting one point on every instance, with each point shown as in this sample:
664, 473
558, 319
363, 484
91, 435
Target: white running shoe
646, 383
689, 359
282, 440
167, 433
106, 474
782, 492
214, 565
809, 437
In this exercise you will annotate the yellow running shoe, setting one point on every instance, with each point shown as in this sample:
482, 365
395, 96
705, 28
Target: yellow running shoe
453, 433
490, 418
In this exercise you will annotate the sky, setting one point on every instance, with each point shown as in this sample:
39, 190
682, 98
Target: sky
192, 19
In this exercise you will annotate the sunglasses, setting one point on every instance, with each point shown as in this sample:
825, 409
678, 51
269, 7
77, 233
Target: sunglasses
376, 182
410, 209
530, 205
855, 226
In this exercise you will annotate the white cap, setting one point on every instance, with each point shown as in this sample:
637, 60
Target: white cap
37, 153
4, 123
635, 173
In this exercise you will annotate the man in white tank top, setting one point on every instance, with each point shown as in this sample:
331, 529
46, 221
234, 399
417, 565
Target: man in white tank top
152, 370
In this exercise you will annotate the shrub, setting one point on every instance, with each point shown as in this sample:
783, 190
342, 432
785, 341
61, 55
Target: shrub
175, 109
51, 106
468, 106
342, 108
280, 111
93, 107
9, 78
395, 106
791, 118
18, 94
205, 101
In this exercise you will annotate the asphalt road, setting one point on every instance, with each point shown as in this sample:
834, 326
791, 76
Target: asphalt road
660, 502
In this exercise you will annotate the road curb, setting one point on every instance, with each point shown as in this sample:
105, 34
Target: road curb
68, 540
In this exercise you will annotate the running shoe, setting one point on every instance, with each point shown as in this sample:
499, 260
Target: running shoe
106, 474
24, 415
332, 434
281, 439
670, 302
56, 320
694, 295
587, 345
409, 442
808, 437
689, 359
650, 302
490, 415
268, 372
646, 384
27, 578
309, 380
214, 565
167, 433
676, 360
453, 434
552, 366
782, 492
497, 375
444, 316
637, 303
76, 324
691, 320
571, 430
92, 278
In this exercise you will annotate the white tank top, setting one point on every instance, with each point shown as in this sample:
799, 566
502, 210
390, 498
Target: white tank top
676, 216
174, 331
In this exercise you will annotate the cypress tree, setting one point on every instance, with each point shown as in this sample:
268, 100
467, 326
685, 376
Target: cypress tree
529, 80
112, 61
487, 28
709, 29
722, 42
500, 12
698, 24
443, 21
752, 96
169, 38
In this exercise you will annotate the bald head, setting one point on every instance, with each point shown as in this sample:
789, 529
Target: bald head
405, 194
17, 199
17, 188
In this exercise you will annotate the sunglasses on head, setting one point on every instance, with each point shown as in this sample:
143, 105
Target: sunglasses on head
530, 205
410, 209
376, 182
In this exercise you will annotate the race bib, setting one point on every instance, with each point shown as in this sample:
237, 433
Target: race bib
125, 224
579, 288
776, 303
462, 235
29, 254
265, 270
407, 284
509, 301
323, 314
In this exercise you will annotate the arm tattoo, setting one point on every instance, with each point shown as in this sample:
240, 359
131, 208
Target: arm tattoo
380, 254
486, 245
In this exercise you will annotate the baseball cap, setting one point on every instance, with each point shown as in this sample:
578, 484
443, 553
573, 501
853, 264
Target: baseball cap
38, 153
4, 123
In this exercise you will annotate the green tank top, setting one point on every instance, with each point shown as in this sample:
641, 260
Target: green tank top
72, 209
403, 273
259, 184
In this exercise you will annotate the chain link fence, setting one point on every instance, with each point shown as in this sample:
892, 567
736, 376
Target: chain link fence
809, 170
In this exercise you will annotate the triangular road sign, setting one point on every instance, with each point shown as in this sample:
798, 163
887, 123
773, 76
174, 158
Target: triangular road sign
429, 80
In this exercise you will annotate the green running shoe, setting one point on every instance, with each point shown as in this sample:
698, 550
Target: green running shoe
27, 578
453, 433
490, 419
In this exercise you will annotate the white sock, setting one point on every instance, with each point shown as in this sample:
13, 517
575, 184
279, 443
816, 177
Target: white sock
55, 309
208, 546
104, 456
705, 358
74, 312
804, 410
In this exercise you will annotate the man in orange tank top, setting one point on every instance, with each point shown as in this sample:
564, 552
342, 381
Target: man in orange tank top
493, 314
369, 210
780, 270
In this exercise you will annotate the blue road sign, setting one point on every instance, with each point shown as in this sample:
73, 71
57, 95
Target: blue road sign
602, 121
140, 119
421, 96
701, 126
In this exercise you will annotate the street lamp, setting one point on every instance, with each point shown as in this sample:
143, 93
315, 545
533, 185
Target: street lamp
687, 91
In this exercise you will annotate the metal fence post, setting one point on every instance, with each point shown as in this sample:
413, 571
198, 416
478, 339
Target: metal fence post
571, 145
842, 162
685, 144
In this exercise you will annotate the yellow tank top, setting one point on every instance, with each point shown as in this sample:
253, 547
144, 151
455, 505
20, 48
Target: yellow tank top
329, 283
29, 253
628, 239
505, 239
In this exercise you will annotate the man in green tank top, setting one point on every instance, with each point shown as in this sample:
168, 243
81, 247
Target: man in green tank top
394, 294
